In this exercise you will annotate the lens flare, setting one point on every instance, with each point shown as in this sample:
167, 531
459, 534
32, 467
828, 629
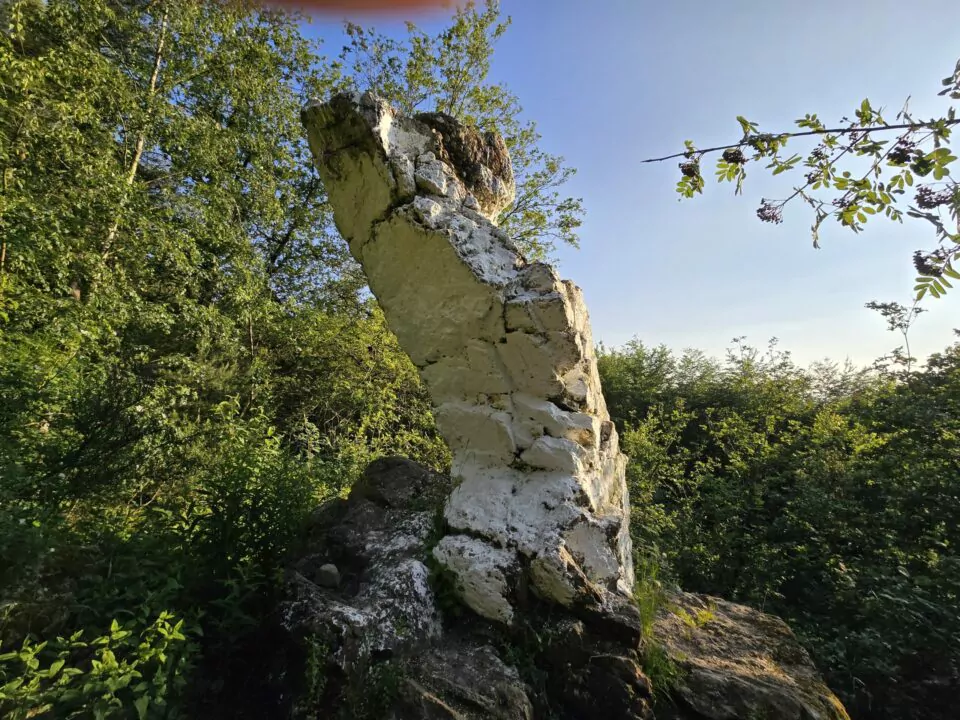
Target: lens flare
399, 8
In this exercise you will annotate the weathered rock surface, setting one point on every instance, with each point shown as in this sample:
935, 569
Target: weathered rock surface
382, 603
504, 347
462, 682
380, 646
738, 663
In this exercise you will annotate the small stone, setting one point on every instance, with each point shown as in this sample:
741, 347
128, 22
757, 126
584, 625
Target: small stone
328, 576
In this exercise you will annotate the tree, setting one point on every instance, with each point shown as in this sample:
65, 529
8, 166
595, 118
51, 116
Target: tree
448, 73
868, 165
188, 361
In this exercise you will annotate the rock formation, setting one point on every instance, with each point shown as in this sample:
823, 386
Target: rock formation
732, 661
531, 531
385, 643
393, 646
504, 348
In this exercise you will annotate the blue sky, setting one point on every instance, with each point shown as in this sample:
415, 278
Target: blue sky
612, 82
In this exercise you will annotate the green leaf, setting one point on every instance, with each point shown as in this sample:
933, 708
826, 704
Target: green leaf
745, 125
11, 686
141, 704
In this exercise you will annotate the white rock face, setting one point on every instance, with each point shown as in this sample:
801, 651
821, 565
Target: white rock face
505, 349
484, 574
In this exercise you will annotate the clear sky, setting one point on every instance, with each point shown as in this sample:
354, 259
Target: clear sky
612, 82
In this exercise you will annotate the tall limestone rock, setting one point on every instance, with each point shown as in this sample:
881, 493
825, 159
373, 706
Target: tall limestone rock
534, 537
504, 348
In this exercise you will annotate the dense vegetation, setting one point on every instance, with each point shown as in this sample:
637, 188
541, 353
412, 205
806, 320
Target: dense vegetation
188, 359
829, 496
189, 363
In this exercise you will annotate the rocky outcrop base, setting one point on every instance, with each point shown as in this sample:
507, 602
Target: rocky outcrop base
503, 346
391, 640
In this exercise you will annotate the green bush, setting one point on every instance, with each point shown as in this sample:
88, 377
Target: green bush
129, 672
827, 496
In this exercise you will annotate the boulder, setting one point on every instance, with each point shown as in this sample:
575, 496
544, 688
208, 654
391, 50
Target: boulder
737, 663
397, 638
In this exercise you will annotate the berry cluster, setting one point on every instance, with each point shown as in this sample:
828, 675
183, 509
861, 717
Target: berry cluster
734, 156
691, 168
928, 198
902, 153
770, 212
844, 202
923, 265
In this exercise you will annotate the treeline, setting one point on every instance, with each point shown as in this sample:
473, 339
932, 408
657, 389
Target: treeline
829, 496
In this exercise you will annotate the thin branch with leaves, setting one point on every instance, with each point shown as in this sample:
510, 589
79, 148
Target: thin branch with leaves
920, 149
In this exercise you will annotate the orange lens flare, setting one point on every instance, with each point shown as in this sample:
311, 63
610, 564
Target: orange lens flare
366, 7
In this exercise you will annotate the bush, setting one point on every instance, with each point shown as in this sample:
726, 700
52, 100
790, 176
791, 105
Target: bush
827, 496
130, 672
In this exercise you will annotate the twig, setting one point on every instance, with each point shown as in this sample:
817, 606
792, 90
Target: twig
805, 133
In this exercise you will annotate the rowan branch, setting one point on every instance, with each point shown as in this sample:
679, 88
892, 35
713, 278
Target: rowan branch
806, 133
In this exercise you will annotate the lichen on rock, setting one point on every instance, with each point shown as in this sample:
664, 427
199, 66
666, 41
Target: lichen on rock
388, 648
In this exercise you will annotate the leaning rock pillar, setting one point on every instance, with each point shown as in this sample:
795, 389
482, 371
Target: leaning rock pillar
503, 346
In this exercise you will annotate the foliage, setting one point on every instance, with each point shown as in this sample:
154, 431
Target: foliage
188, 359
374, 691
866, 174
448, 73
825, 495
647, 591
660, 668
106, 677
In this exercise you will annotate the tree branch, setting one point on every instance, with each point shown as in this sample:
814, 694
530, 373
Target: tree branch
141, 139
806, 133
